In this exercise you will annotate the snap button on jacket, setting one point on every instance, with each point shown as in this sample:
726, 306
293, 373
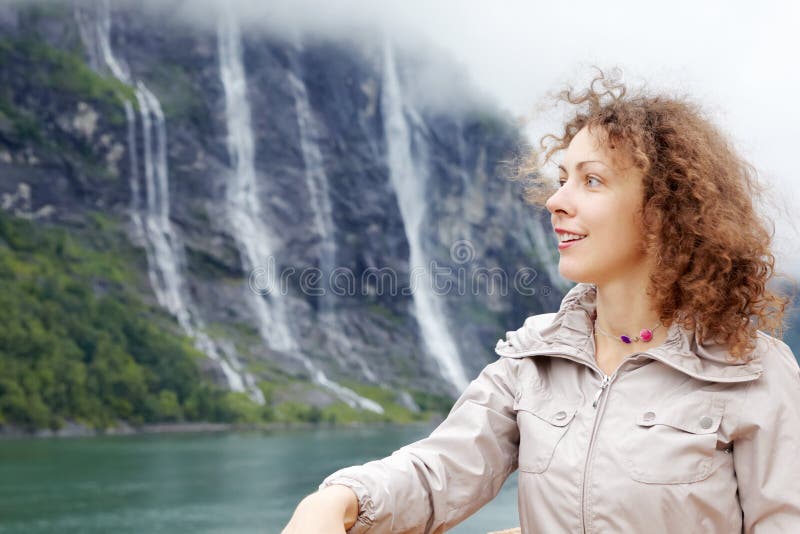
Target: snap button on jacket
678, 439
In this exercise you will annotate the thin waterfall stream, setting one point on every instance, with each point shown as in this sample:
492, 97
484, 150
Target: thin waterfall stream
319, 190
408, 179
150, 215
257, 241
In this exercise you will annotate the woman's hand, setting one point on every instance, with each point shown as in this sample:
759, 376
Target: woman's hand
331, 510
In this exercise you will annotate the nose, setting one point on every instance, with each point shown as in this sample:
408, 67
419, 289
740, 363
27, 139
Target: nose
559, 201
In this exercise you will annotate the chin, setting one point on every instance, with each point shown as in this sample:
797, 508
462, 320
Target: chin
578, 277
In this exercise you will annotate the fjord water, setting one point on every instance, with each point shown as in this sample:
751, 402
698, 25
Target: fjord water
245, 482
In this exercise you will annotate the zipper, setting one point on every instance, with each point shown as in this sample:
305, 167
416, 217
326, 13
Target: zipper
599, 404
603, 385
599, 397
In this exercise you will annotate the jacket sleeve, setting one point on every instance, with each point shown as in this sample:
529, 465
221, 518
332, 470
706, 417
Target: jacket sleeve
765, 451
437, 482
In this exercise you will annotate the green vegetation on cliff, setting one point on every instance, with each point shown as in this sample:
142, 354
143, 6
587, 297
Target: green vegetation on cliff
47, 68
78, 343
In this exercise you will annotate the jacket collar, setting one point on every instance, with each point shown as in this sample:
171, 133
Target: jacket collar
568, 333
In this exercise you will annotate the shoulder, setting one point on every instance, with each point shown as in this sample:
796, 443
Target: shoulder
524, 337
514, 349
777, 360
504, 370
539, 321
507, 366
778, 388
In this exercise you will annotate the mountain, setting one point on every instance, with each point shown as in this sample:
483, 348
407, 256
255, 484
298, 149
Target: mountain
240, 218
220, 222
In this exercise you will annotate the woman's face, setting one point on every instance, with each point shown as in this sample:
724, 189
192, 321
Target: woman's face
599, 198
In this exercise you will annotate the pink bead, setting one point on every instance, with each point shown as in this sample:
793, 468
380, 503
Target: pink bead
646, 334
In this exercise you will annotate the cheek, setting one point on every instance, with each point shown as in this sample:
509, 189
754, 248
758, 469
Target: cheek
625, 231
629, 216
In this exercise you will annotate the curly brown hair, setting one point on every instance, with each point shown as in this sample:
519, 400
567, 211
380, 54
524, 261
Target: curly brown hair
712, 247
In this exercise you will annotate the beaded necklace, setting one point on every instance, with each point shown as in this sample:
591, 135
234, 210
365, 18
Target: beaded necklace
645, 334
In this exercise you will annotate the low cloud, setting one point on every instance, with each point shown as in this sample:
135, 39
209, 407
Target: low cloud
736, 58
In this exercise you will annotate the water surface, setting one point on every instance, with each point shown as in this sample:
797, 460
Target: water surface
230, 482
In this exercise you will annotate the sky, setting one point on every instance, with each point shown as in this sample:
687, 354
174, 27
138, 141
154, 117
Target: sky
737, 59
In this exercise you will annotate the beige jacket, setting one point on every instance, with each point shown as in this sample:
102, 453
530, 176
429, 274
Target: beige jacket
678, 439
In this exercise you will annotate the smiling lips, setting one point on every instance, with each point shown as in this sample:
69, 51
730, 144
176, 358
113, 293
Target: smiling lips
567, 239
566, 244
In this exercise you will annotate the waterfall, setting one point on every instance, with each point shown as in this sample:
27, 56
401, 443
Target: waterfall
469, 182
466, 179
257, 242
315, 178
151, 218
319, 191
133, 152
408, 179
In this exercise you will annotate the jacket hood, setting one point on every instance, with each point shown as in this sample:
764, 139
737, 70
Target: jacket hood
569, 332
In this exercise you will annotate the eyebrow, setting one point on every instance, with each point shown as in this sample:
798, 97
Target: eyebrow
583, 163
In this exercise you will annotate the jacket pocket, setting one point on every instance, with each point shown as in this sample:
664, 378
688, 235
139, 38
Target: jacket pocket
542, 422
673, 443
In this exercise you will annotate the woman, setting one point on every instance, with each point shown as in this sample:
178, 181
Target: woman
650, 401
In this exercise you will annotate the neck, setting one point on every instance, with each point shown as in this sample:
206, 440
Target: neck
623, 308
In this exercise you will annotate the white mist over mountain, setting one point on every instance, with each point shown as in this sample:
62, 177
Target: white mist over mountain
735, 58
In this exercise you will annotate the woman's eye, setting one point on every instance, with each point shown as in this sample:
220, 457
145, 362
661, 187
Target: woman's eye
562, 181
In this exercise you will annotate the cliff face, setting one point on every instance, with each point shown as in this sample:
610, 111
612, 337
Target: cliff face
236, 160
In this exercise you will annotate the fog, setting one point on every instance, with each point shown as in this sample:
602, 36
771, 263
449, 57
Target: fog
735, 58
